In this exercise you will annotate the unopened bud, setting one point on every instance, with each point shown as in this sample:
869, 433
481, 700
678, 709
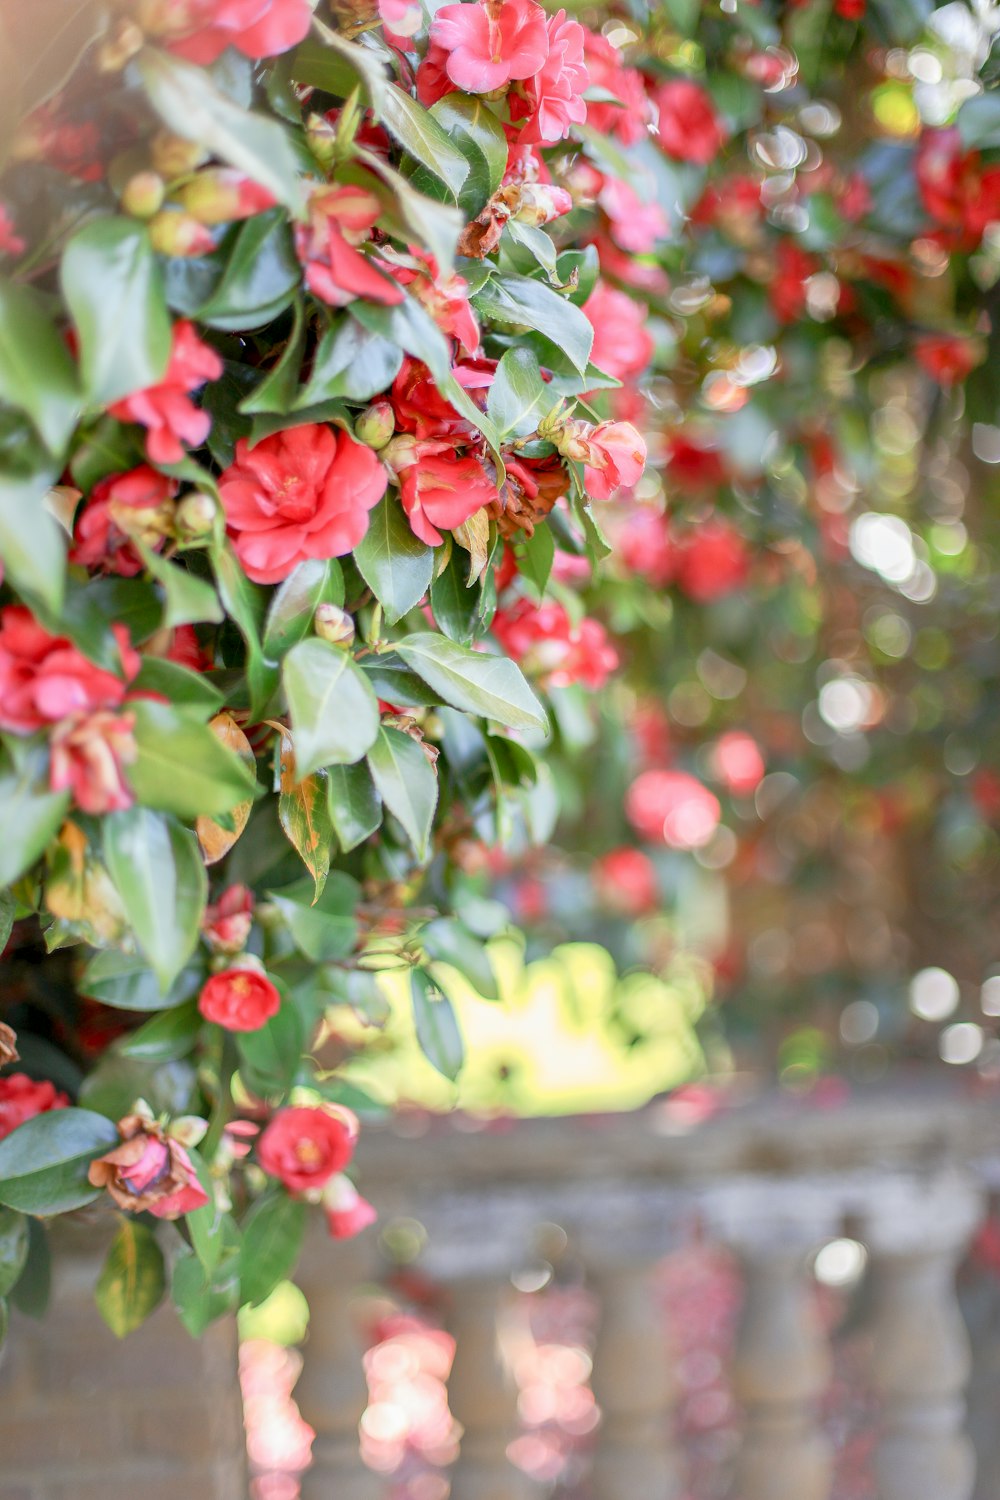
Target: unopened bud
173, 156
333, 624
376, 425
187, 1130
218, 195
573, 442
123, 41
143, 523
143, 195
321, 137
195, 515
400, 452
539, 203
178, 235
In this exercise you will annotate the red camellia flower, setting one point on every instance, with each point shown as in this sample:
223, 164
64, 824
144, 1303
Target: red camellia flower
792, 268
694, 465
947, 357
442, 489
88, 758
419, 406
305, 1145
44, 678
955, 188
737, 762
688, 128
712, 561
21, 1098
489, 44
302, 493
149, 1172
625, 881
340, 220
165, 409
201, 30
623, 345
121, 508
241, 999
629, 118
545, 640
674, 807
552, 100
347, 1213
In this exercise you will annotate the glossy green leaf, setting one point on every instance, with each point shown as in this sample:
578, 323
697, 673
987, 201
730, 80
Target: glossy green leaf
395, 683
32, 544
332, 63
423, 137
126, 981
189, 600
31, 1294
179, 684
270, 1056
200, 1297
355, 807
245, 603
445, 940
396, 565
205, 1223
132, 1280
114, 292
164, 1037
407, 784
182, 767
324, 929
290, 615
30, 815
455, 605
14, 1239
43, 1163
351, 362
473, 681
518, 397
261, 277
472, 125
333, 708
272, 1241
535, 556
436, 1025
520, 302
37, 374
91, 607
276, 392
158, 871
190, 105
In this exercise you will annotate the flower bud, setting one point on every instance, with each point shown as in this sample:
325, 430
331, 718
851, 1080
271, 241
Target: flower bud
187, 1130
376, 425
219, 195
173, 156
143, 523
178, 234
123, 40
195, 515
333, 624
540, 202
400, 452
322, 139
143, 195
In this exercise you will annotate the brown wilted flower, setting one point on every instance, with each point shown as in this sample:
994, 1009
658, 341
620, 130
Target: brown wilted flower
8, 1047
148, 1172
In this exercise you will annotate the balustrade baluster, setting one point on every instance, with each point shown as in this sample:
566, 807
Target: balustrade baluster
917, 1231
481, 1391
332, 1392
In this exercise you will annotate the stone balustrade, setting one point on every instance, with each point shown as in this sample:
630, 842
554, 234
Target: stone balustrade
907, 1173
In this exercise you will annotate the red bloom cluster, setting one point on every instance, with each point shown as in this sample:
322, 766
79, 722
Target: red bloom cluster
201, 30
165, 409
21, 1098
341, 219
544, 640
687, 126
121, 509
959, 193
672, 807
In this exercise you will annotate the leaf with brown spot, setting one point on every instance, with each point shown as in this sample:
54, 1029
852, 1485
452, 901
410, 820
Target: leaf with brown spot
215, 840
474, 536
304, 815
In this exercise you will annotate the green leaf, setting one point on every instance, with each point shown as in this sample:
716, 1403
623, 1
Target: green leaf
245, 604
352, 363
189, 104
304, 815
290, 616
43, 1163
31, 1294
30, 815
190, 600
90, 608
272, 1241
181, 767
396, 565
179, 684
333, 708
535, 556
454, 603
433, 225
436, 1025
270, 1056
14, 1238
205, 1223
518, 397
125, 981
407, 784
114, 292
517, 301
261, 277
536, 244
200, 1297
332, 63
157, 869
447, 941
473, 680
355, 807
424, 138
276, 392
395, 683
8, 910
132, 1280
37, 374
473, 125
165, 1037
324, 929
32, 544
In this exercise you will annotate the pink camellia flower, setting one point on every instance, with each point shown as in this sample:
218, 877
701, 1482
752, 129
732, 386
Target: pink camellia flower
201, 30
491, 43
340, 220
441, 489
347, 1213
674, 807
149, 1172
121, 508
305, 1145
553, 101
623, 345
44, 678
616, 458
88, 758
688, 128
10, 243
737, 762
546, 642
301, 493
625, 881
643, 545
226, 923
629, 119
165, 409
21, 1098
712, 561
240, 999
635, 226
404, 18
